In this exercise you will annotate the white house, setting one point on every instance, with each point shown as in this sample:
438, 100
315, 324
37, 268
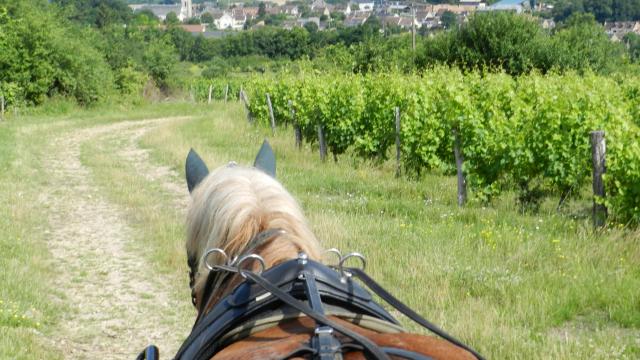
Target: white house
183, 11
365, 5
224, 21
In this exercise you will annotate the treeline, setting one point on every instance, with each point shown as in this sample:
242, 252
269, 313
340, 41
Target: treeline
489, 41
45, 53
602, 10
98, 49
518, 44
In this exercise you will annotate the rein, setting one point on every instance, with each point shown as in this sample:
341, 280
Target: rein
286, 284
219, 274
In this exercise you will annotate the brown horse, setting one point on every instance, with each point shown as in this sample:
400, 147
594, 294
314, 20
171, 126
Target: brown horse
241, 221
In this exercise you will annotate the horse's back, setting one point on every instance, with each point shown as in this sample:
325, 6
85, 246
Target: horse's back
293, 337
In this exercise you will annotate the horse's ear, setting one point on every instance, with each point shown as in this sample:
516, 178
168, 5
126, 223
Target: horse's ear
195, 169
266, 160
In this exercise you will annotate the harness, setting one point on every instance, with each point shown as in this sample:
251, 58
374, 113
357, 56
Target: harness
303, 287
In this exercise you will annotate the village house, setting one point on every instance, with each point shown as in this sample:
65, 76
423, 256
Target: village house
345, 9
290, 10
356, 19
239, 19
617, 30
479, 4
365, 5
547, 24
223, 21
518, 6
251, 12
183, 11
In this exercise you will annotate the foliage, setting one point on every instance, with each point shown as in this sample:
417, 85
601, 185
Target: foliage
582, 44
160, 59
517, 44
529, 134
41, 56
449, 19
603, 10
98, 13
206, 18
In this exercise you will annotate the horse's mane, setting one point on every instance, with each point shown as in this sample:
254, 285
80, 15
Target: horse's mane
231, 206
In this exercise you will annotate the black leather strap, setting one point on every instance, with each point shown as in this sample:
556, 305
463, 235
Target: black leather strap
250, 300
404, 309
368, 345
150, 353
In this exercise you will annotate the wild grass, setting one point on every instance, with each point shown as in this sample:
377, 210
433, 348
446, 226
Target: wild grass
26, 312
513, 285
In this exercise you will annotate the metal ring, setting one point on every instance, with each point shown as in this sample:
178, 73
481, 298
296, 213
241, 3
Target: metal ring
205, 257
335, 251
247, 257
351, 255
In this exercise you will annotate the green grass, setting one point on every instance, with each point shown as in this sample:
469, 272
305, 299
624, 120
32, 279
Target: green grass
512, 285
25, 314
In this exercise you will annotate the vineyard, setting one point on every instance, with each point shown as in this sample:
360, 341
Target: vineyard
529, 134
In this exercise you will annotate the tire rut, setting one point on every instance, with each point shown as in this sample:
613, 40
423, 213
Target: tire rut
116, 307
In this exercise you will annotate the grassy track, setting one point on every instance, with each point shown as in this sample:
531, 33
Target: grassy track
513, 286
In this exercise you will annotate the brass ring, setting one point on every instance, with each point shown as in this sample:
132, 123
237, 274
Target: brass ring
248, 257
205, 257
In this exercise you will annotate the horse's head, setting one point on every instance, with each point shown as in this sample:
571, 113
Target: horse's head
231, 207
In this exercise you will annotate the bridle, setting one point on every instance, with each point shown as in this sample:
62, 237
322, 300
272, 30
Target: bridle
216, 278
283, 284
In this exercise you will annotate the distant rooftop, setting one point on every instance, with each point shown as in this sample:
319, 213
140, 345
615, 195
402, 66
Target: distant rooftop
509, 2
514, 5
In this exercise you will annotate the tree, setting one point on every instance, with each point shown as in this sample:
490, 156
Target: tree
171, 19
206, 18
582, 45
43, 55
99, 13
449, 19
632, 41
311, 27
338, 16
262, 10
160, 58
498, 39
144, 17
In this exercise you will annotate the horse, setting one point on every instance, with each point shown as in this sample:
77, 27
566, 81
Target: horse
260, 288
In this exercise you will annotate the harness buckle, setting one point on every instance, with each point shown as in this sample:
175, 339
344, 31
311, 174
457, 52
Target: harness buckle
321, 330
326, 345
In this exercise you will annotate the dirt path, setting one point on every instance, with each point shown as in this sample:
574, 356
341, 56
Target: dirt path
117, 306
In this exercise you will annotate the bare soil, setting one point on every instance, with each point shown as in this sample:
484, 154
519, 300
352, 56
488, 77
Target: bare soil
117, 305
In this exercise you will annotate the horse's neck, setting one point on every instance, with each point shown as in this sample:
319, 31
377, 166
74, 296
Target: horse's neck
290, 336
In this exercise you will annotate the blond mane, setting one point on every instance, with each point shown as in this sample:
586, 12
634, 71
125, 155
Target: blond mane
231, 206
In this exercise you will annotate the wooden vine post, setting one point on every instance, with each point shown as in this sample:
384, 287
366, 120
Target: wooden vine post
210, 90
462, 182
323, 145
1, 107
397, 112
273, 120
226, 93
245, 101
598, 153
296, 128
